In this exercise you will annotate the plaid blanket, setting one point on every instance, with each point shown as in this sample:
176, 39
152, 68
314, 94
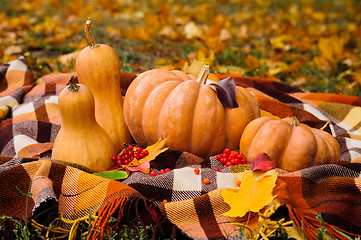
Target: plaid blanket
30, 115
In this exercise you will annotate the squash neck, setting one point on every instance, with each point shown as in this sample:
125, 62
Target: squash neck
89, 37
203, 75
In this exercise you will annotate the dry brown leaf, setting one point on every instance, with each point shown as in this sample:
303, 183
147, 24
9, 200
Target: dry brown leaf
34, 150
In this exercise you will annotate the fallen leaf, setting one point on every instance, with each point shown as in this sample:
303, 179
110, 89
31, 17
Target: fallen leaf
154, 150
143, 167
357, 76
191, 30
252, 195
68, 58
194, 68
332, 48
226, 92
113, 174
252, 62
262, 162
34, 150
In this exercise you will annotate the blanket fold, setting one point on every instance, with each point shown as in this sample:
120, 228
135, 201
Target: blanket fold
59, 189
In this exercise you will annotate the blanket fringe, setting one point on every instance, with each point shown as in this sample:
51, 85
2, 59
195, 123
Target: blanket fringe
130, 211
309, 226
101, 225
127, 210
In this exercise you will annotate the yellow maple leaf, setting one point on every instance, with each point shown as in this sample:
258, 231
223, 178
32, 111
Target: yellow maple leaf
253, 194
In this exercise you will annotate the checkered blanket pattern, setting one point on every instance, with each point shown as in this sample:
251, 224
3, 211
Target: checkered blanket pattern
193, 207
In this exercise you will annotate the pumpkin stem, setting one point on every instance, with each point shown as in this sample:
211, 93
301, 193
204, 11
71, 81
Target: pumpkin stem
73, 87
89, 37
295, 122
203, 75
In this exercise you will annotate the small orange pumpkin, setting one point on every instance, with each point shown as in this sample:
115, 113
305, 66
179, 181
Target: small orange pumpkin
169, 104
292, 145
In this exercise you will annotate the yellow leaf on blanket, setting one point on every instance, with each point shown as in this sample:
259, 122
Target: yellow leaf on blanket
34, 150
253, 194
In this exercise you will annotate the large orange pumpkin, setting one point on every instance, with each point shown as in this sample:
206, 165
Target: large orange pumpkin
169, 104
292, 145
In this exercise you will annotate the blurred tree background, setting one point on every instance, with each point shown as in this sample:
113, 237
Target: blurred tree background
314, 45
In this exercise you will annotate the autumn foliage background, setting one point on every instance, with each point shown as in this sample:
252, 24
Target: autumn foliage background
314, 45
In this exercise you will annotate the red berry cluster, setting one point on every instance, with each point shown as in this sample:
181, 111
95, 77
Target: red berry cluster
162, 171
128, 154
229, 158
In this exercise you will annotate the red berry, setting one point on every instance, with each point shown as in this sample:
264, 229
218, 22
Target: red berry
126, 162
206, 181
197, 171
153, 173
233, 155
119, 157
237, 161
224, 160
131, 153
232, 162
145, 152
114, 158
139, 149
219, 157
141, 155
161, 171
238, 183
125, 152
130, 147
228, 164
120, 162
225, 155
217, 169
243, 161
167, 170
165, 200
227, 151
137, 156
239, 156
224, 166
126, 157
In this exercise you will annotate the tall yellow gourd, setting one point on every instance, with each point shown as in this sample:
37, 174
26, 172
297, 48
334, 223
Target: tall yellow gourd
98, 67
81, 139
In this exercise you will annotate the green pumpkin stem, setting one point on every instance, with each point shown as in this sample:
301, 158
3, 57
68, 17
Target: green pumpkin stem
89, 37
73, 87
203, 75
295, 122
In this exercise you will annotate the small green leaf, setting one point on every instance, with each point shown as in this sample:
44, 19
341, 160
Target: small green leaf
113, 174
